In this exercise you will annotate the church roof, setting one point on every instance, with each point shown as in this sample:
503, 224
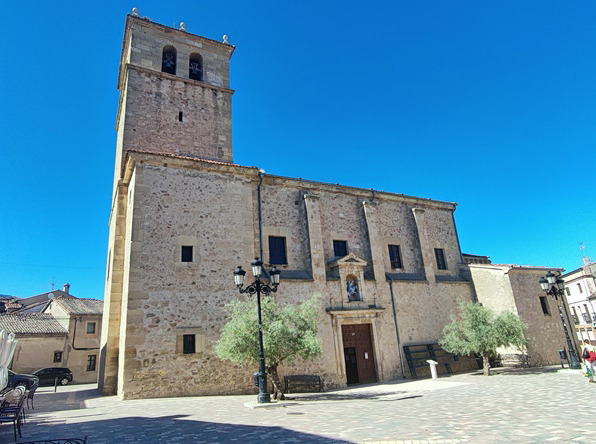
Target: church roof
425, 200
30, 323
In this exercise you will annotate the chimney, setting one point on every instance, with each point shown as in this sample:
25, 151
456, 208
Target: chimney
586, 260
66, 288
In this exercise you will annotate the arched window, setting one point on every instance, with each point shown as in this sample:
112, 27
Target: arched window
168, 60
195, 67
352, 288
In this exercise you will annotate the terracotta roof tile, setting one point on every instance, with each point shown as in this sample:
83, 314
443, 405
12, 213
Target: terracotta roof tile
30, 323
80, 306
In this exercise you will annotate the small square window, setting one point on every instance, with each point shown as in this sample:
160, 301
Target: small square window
544, 304
58, 356
395, 256
340, 248
186, 253
188, 344
91, 360
277, 250
90, 328
440, 257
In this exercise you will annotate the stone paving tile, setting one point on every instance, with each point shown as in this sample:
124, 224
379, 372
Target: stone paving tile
531, 406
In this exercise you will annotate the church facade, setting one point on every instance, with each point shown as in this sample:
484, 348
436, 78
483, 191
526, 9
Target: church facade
387, 267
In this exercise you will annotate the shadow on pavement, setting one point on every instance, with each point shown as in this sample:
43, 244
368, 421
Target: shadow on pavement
164, 429
519, 371
67, 400
334, 396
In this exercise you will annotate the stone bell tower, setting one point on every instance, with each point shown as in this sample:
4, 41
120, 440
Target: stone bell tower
175, 95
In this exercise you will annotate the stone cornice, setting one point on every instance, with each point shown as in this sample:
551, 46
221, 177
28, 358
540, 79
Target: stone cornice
253, 173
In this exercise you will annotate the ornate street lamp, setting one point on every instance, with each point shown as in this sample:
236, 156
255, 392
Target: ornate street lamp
555, 286
259, 287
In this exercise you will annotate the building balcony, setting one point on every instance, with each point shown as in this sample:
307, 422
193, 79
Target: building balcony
587, 318
575, 319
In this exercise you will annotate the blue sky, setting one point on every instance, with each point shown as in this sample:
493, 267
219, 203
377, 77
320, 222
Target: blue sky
490, 104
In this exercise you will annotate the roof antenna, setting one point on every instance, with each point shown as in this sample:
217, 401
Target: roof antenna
585, 259
52, 284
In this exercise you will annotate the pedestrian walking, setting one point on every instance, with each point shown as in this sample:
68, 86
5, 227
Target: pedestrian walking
589, 356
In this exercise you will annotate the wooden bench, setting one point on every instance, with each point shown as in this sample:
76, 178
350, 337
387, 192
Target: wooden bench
418, 354
302, 383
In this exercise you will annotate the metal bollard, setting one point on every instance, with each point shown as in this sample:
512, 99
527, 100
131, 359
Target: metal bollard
433, 368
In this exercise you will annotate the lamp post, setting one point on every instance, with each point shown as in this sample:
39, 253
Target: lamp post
555, 286
259, 287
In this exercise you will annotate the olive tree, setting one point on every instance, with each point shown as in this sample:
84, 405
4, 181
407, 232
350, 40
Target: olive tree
288, 333
478, 330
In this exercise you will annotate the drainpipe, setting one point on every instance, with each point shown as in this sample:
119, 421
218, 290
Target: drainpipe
401, 362
261, 174
461, 259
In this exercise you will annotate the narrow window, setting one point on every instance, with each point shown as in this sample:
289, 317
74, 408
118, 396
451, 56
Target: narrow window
587, 314
180, 117
168, 60
91, 359
395, 256
574, 316
340, 248
440, 256
188, 344
186, 253
277, 250
579, 286
568, 291
544, 304
195, 67
57, 356
90, 328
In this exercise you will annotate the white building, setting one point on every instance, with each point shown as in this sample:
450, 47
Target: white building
580, 290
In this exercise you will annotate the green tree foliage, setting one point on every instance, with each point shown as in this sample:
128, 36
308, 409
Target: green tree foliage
478, 330
288, 333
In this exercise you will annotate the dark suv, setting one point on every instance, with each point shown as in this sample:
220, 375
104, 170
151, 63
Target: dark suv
16, 379
47, 376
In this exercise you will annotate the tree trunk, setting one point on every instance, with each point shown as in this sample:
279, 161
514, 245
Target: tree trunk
485, 365
278, 392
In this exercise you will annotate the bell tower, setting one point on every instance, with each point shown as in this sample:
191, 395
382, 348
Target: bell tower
175, 95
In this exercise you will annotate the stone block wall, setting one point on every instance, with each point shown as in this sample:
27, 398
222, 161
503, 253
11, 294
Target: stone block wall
284, 215
545, 331
213, 208
167, 114
516, 289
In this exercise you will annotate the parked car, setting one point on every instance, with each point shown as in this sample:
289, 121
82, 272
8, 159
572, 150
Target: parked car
47, 376
16, 379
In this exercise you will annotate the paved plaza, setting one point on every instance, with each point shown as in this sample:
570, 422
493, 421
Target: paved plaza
523, 406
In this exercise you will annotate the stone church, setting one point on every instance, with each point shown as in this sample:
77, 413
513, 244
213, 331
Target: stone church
388, 267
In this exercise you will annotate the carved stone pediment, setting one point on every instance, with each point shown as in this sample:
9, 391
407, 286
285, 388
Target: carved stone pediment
349, 260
